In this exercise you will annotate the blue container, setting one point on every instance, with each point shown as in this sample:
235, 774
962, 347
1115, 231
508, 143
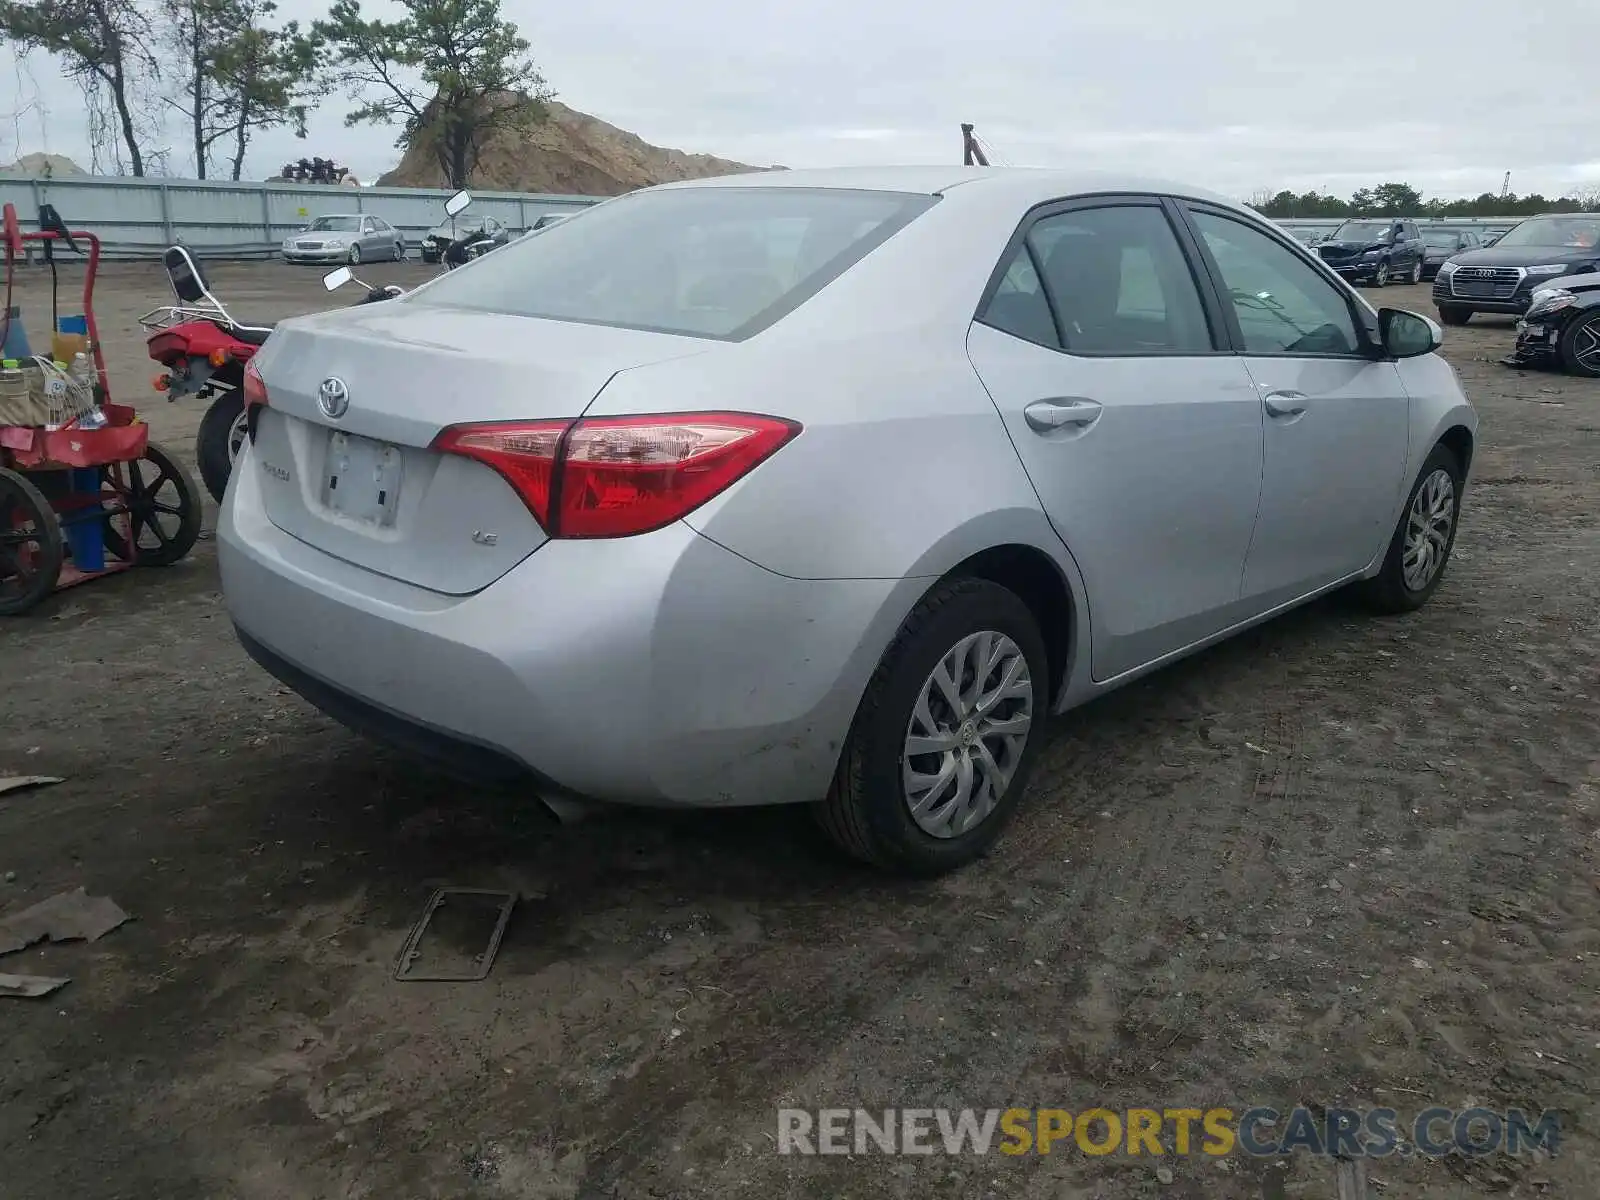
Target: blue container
84, 528
78, 324
16, 343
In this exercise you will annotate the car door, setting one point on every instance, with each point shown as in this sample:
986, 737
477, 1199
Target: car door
1336, 415
1415, 248
369, 239
1141, 433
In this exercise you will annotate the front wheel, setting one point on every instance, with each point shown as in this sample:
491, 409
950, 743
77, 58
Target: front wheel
1380, 277
1422, 542
1449, 314
355, 256
1416, 272
939, 752
1580, 346
222, 436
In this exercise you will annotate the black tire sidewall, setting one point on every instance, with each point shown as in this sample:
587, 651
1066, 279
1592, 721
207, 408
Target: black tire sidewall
878, 740
1452, 315
211, 443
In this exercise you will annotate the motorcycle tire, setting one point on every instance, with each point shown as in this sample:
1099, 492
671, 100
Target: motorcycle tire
218, 442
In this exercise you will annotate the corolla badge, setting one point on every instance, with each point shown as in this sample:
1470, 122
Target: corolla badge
333, 398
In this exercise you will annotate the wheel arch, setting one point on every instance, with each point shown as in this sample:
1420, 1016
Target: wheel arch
1461, 442
1040, 583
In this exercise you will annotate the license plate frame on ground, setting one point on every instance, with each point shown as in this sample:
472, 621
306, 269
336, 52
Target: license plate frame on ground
362, 478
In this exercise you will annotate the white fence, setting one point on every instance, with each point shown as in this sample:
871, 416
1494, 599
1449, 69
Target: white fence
138, 218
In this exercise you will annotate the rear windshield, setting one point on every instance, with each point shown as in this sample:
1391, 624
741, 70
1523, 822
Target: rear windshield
715, 262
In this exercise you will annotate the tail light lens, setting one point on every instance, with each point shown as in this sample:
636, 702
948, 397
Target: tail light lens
255, 398
255, 388
618, 476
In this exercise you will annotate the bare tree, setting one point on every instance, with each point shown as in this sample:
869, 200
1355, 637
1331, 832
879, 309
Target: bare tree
102, 44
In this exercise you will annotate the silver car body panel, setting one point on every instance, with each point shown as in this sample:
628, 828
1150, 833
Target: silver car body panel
720, 660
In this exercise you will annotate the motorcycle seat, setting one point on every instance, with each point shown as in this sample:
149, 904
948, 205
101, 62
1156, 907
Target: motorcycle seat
253, 333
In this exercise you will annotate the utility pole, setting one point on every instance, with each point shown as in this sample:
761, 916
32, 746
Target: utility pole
971, 153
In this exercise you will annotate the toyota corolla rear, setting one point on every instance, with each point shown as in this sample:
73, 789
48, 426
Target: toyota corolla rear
435, 538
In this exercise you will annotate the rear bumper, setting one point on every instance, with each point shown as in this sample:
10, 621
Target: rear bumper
659, 669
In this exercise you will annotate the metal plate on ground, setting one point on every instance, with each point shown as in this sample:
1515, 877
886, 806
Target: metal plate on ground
458, 920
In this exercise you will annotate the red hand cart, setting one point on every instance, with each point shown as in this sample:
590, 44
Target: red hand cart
142, 502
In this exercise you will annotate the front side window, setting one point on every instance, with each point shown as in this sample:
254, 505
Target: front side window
1283, 305
717, 262
1119, 282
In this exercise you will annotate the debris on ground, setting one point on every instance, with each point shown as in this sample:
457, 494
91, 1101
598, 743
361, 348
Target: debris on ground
18, 783
68, 917
30, 985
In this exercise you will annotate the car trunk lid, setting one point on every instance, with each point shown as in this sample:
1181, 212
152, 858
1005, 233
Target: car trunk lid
357, 478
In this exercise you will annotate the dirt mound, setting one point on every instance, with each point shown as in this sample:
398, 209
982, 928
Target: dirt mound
43, 166
571, 153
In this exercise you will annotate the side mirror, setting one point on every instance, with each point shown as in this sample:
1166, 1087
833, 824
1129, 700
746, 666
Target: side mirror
1407, 334
337, 278
457, 203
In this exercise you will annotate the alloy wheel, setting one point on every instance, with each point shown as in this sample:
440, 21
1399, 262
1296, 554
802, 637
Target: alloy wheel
967, 733
1586, 345
1381, 279
237, 433
1428, 525
1416, 272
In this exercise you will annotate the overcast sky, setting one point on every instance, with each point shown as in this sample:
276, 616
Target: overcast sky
1237, 95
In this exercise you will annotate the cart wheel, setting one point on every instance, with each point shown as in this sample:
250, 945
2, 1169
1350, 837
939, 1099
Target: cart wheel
30, 545
163, 506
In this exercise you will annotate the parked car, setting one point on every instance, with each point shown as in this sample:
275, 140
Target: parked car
1502, 278
442, 234
1376, 251
345, 237
1561, 327
1441, 242
1489, 237
827, 486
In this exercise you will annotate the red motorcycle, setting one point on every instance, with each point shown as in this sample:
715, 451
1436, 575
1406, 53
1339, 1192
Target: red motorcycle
204, 349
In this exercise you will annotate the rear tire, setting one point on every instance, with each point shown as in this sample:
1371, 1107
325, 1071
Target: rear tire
217, 444
1401, 586
1580, 346
1449, 314
971, 748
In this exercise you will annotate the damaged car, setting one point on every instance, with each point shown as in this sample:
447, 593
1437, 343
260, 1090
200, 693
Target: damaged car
1562, 327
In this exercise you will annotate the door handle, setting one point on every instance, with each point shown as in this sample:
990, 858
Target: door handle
1059, 413
1285, 404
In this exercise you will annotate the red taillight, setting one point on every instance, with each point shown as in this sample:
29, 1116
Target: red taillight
618, 476
255, 388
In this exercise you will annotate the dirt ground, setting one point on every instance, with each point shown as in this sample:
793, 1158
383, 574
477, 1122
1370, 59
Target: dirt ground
1339, 860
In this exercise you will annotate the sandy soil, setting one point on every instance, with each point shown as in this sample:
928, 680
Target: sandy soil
1337, 861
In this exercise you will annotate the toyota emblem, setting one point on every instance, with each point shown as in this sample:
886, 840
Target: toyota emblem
333, 398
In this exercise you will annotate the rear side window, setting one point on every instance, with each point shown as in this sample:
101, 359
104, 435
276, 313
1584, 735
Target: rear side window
1119, 282
717, 262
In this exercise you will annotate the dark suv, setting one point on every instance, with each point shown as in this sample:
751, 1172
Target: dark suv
1376, 250
1501, 278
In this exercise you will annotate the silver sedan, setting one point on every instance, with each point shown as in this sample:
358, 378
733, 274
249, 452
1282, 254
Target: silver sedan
345, 238
827, 487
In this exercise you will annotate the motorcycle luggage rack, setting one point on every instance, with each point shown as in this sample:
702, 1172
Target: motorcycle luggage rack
196, 302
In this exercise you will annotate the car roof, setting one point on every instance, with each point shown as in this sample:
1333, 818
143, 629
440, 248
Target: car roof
1028, 185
